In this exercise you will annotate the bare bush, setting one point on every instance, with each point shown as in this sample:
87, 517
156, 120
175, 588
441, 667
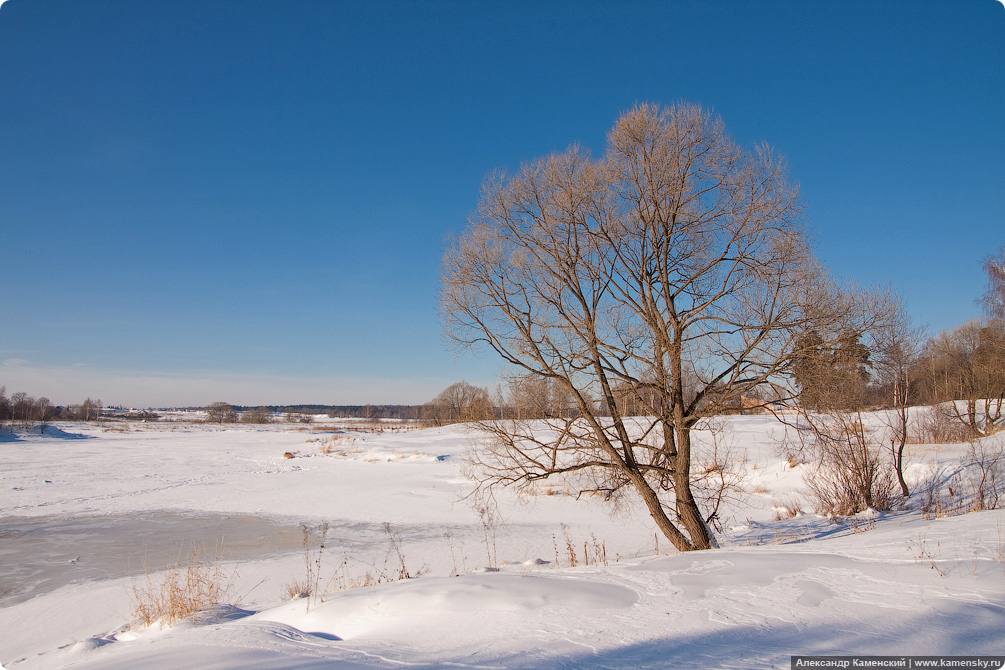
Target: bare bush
979, 483
259, 415
985, 464
309, 586
938, 425
851, 474
298, 415
350, 573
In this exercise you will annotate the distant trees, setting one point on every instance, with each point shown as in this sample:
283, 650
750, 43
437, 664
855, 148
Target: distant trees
530, 397
221, 412
831, 375
851, 469
25, 411
458, 403
89, 410
968, 364
961, 371
298, 415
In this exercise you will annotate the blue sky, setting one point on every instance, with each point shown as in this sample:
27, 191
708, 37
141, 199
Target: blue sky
247, 201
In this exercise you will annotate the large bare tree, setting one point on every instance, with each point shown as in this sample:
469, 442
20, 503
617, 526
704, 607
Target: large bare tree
675, 269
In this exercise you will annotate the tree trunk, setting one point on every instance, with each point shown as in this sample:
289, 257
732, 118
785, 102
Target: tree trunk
687, 507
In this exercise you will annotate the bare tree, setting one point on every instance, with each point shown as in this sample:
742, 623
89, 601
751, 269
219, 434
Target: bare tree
221, 412
89, 410
22, 409
851, 471
676, 269
458, 403
92, 409
994, 296
43, 413
897, 348
532, 397
5, 407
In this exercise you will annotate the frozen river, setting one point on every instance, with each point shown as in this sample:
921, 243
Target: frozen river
42, 554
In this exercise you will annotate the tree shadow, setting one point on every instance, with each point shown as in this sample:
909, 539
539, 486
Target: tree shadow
948, 628
59, 433
8, 434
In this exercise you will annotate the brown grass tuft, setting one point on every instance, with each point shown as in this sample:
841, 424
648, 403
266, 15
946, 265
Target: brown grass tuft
183, 591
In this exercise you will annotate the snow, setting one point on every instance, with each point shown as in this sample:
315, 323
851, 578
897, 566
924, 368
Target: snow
89, 512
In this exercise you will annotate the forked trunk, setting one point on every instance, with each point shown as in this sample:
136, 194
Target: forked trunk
663, 522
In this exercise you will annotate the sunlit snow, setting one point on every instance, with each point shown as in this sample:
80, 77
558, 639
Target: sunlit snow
90, 512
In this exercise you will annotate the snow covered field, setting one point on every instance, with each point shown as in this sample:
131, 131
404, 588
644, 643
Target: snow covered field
89, 513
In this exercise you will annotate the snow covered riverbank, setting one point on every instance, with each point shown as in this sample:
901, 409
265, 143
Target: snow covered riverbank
896, 583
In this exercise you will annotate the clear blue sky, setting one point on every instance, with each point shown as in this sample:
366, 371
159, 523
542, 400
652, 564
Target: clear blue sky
247, 201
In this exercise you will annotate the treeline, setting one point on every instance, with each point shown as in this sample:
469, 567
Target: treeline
964, 364
22, 410
403, 412
889, 364
864, 371
222, 412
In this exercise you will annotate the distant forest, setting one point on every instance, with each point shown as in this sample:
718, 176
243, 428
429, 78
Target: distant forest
345, 411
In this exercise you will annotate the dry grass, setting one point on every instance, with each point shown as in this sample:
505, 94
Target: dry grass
858, 526
297, 588
550, 490
786, 509
594, 550
184, 590
350, 574
924, 554
790, 537
339, 445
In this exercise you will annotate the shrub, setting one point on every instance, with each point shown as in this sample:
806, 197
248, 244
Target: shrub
851, 474
259, 415
938, 425
986, 472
